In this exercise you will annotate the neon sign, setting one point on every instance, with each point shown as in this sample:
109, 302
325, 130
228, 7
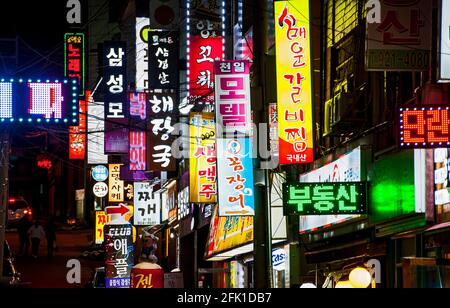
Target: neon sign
425, 127
74, 65
325, 198
39, 102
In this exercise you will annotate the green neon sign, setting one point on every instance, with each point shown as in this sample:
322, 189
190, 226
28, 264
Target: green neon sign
325, 198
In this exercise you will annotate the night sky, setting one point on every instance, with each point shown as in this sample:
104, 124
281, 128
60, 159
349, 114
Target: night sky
40, 26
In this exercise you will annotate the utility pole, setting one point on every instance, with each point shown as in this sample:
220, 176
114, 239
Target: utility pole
262, 223
4, 185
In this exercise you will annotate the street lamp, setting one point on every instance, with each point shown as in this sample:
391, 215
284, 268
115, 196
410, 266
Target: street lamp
360, 278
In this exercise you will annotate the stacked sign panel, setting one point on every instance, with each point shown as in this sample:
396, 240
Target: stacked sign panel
205, 45
402, 40
115, 80
163, 99
74, 58
203, 158
294, 82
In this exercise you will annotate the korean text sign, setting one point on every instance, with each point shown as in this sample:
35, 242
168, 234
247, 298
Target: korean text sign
228, 232
116, 186
294, 82
142, 30
161, 127
147, 205
445, 41
119, 255
402, 41
116, 94
325, 198
235, 177
101, 219
78, 135
74, 65
163, 59
425, 127
205, 45
203, 154
233, 101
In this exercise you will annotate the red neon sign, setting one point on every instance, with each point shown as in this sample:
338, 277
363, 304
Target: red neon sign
425, 127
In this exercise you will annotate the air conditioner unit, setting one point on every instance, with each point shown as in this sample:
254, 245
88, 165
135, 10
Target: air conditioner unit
346, 114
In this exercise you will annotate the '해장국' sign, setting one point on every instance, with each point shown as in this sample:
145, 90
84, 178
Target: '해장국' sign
325, 198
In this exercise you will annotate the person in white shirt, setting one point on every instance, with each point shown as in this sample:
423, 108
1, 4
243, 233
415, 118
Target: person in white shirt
37, 233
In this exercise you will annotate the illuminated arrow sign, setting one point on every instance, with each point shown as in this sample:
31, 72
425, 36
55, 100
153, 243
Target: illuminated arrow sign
121, 210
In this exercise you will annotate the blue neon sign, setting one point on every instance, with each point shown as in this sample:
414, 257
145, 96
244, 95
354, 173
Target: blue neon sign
29, 102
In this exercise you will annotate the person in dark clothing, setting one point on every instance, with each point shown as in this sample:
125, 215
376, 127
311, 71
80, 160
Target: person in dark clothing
50, 232
24, 241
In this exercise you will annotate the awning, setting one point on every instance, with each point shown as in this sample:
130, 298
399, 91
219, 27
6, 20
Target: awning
243, 250
439, 227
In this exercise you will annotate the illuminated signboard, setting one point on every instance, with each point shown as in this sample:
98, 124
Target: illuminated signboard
233, 102
77, 134
205, 44
163, 115
101, 219
294, 82
116, 97
74, 59
203, 162
138, 151
147, 205
116, 186
401, 41
163, 61
445, 41
39, 102
235, 177
325, 198
142, 30
96, 133
424, 127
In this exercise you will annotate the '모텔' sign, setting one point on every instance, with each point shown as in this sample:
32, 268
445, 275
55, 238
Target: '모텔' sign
325, 198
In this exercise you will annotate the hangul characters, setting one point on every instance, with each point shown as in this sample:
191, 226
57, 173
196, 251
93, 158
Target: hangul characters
239, 67
210, 173
163, 78
121, 266
115, 84
72, 51
205, 54
138, 105
166, 102
239, 198
225, 67
208, 190
211, 154
347, 198
233, 114
162, 155
163, 125
296, 158
205, 79
115, 58
115, 111
163, 64
162, 52
298, 51
300, 197
237, 180
295, 116
236, 163
232, 88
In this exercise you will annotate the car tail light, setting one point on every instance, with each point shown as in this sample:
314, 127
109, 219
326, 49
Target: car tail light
12, 200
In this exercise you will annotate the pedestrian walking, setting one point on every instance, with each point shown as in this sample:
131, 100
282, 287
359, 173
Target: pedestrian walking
37, 233
24, 241
50, 233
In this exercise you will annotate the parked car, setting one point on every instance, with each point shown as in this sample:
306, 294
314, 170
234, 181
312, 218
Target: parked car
98, 279
18, 208
11, 277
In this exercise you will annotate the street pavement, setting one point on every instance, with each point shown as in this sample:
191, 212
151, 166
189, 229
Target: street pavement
51, 273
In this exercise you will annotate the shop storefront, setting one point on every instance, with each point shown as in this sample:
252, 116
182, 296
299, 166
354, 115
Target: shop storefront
334, 245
